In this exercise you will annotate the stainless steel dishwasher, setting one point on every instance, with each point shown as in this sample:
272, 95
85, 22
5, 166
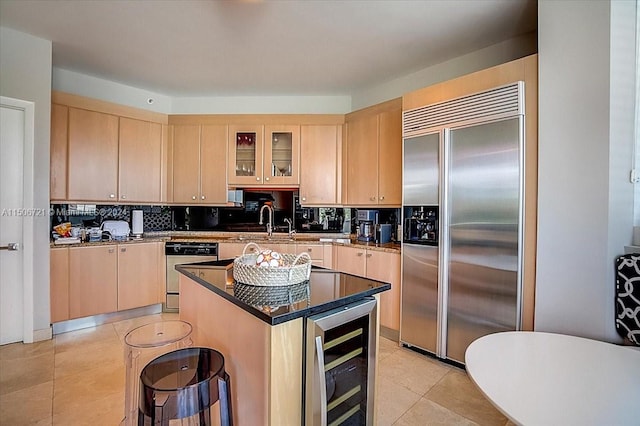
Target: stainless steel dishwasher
179, 253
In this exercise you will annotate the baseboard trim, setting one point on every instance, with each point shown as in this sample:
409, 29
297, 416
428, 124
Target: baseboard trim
390, 333
86, 322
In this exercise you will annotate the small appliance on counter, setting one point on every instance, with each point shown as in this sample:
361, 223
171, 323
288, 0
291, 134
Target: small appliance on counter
117, 229
367, 220
383, 233
137, 227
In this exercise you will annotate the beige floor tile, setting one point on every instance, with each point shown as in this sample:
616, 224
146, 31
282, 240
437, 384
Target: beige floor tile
412, 370
77, 339
108, 410
22, 373
27, 406
78, 391
393, 400
22, 350
386, 347
428, 413
457, 393
88, 356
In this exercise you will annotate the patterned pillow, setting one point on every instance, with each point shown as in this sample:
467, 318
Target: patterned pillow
628, 297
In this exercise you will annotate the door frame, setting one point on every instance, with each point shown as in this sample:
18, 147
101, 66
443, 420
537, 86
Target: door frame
29, 211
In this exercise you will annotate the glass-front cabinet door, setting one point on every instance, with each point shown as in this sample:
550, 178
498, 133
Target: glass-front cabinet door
245, 155
282, 155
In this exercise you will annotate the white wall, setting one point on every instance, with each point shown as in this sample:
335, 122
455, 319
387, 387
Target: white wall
110, 91
25, 73
263, 105
93, 87
490, 56
585, 200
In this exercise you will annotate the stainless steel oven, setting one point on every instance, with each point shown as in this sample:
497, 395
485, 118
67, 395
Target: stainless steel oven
180, 253
340, 365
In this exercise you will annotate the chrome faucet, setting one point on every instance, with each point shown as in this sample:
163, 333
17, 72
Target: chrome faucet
270, 224
291, 231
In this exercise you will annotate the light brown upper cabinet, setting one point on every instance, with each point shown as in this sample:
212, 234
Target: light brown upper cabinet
374, 156
93, 156
199, 164
264, 155
104, 152
320, 155
140, 159
58, 155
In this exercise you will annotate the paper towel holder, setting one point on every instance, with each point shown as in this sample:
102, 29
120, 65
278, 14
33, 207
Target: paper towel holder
137, 227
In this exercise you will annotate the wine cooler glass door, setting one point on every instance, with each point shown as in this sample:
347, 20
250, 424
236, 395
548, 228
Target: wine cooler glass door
341, 348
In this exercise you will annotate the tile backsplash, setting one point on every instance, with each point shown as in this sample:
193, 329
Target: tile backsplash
155, 218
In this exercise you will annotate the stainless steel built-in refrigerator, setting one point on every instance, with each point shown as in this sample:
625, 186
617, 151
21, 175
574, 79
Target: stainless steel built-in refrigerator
471, 150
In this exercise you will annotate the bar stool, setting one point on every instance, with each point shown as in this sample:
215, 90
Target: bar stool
143, 344
183, 385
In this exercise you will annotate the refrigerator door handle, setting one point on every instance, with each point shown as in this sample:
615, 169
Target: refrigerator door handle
322, 383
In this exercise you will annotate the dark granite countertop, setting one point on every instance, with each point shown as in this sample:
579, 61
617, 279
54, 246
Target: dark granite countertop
327, 289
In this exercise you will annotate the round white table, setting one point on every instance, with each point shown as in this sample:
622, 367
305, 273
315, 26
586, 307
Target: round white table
537, 378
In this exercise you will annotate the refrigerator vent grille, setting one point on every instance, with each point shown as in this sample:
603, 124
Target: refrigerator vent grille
495, 103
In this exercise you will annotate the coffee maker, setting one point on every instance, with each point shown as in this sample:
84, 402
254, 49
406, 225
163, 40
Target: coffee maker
367, 221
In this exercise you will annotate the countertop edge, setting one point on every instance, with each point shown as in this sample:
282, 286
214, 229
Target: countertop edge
302, 313
388, 247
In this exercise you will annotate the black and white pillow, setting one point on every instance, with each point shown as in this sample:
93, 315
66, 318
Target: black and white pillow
628, 297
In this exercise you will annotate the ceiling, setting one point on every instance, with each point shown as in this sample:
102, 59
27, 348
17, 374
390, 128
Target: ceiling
259, 48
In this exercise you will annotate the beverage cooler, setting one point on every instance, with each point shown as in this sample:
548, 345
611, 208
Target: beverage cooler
340, 365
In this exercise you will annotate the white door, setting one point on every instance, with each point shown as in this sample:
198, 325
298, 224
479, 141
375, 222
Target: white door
13, 119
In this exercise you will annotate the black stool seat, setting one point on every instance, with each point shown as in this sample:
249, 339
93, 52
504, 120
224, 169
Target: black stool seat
184, 383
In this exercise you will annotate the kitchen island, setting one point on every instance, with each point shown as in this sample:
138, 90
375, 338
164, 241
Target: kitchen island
264, 346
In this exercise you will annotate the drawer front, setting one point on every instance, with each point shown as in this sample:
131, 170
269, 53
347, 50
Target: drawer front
315, 251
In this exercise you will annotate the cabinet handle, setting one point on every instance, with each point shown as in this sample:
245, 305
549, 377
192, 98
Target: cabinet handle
111, 250
194, 197
123, 249
123, 197
304, 198
369, 254
360, 254
257, 178
266, 178
372, 198
381, 197
309, 250
203, 197
112, 195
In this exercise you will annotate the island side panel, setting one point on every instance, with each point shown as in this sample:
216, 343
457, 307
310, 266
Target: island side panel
243, 339
286, 373
265, 364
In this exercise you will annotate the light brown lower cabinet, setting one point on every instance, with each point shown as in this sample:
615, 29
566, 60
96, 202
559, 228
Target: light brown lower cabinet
59, 291
138, 275
377, 265
93, 276
86, 281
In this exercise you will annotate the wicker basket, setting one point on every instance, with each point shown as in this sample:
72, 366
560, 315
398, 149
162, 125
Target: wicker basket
296, 269
272, 296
